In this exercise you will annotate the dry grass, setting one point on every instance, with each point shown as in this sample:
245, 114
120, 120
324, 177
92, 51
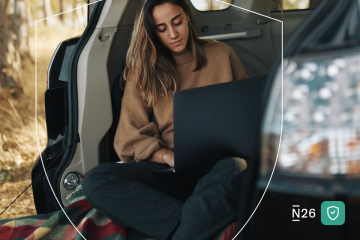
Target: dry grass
18, 141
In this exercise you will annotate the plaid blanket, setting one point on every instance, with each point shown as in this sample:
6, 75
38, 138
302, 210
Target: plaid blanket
90, 223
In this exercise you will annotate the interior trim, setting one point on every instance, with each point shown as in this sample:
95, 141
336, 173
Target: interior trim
228, 36
251, 33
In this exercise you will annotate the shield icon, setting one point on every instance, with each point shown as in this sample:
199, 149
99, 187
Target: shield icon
333, 212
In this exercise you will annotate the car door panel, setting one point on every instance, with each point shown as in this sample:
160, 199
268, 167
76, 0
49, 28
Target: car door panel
56, 112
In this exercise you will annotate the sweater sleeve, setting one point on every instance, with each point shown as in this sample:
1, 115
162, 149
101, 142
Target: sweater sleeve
136, 138
237, 68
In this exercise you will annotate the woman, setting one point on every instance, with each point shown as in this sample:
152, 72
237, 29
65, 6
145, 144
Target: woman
165, 55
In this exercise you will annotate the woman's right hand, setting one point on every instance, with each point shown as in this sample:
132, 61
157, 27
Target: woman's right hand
159, 156
169, 158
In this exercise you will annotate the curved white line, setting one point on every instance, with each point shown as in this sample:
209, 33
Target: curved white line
67, 11
37, 135
250, 11
282, 113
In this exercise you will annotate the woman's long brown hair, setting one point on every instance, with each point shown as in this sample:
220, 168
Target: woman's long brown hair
150, 61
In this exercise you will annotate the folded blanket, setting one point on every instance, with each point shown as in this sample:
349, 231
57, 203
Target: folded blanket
90, 222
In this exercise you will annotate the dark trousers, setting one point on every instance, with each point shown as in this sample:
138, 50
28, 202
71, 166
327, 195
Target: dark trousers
191, 205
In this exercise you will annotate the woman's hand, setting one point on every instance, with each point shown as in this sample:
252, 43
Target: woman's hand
159, 157
169, 158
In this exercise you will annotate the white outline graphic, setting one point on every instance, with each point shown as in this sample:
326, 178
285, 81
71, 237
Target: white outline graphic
37, 135
282, 70
328, 210
282, 99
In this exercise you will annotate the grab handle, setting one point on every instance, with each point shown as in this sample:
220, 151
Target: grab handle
251, 33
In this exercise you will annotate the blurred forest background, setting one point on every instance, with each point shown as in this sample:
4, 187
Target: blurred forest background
18, 141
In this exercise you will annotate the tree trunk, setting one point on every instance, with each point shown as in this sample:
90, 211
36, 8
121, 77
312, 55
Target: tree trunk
48, 13
10, 61
69, 15
61, 4
21, 20
209, 2
30, 19
81, 14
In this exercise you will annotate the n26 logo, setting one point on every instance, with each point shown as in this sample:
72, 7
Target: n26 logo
298, 213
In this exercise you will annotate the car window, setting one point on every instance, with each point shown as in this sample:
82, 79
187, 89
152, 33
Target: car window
210, 5
293, 4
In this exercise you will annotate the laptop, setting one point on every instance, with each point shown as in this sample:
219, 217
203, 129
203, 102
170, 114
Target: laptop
216, 121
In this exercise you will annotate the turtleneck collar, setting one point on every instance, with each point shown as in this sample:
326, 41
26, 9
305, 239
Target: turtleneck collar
183, 57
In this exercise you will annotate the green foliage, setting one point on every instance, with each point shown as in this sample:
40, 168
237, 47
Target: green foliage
7, 172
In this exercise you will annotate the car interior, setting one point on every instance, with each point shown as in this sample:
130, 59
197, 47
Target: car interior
256, 39
257, 50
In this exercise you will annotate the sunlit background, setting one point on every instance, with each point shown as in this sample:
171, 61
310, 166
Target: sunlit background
295, 4
210, 5
213, 5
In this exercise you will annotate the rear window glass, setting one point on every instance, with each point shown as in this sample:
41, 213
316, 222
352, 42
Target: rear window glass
293, 4
211, 5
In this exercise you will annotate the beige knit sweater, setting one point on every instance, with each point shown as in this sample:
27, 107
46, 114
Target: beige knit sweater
142, 130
